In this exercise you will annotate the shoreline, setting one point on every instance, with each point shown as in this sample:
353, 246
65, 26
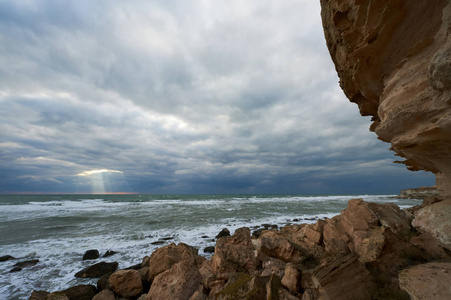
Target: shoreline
290, 251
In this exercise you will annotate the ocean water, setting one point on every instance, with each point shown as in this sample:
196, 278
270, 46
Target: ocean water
58, 229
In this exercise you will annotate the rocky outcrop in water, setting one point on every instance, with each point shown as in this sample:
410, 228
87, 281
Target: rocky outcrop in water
394, 60
369, 251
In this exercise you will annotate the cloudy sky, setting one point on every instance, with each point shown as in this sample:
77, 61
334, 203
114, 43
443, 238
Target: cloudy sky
174, 96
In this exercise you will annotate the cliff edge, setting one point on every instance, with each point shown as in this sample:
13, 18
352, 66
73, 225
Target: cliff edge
394, 61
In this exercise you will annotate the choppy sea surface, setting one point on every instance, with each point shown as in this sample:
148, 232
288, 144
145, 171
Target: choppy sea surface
58, 229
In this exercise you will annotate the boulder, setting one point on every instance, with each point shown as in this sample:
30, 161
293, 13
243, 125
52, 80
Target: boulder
91, 254
105, 295
109, 253
126, 283
234, 254
223, 232
57, 296
272, 266
344, 277
180, 282
103, 282
164, 258
429, 281
38, 295
97, 270
209, 249
81, 292
27, 263
243, 286
292, 278
6, 257
436, 220
275, 245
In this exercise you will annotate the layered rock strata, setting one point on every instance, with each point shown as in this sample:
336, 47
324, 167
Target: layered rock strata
393, 58
369, 251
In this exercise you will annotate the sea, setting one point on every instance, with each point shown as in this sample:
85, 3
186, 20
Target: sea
58, 229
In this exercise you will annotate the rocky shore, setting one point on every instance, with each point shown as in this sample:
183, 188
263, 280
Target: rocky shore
369, 251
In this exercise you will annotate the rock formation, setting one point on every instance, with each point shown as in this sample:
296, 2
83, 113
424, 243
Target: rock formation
369, 251
394, 60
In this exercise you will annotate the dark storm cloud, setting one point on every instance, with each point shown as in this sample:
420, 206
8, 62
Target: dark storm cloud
177, 96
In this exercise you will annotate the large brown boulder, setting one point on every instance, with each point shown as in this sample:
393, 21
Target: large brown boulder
234, 254
180, 281
81, 292
165, 257
126, 283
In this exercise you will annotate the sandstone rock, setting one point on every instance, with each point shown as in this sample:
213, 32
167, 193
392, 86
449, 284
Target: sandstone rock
345, 278
292, 278
435, 219
275, 245
273, 266
164, 258
419, 193
126, 283
178, 282
200, 294
81, 292
429, 281
91, 254
104, 295
38, 295
97, 270
393, 58
234, 254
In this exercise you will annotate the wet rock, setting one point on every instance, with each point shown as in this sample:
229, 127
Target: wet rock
257, 233
209, 249
158, 243
27, 263
97, 270
126, 283
105, 295
15, 269
103, 282
6, 257
109, 253
223, 232
205, 236
38, 295
270, 226
91, 254
81, 292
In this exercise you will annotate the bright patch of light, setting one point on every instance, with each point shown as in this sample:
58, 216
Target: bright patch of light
88, 173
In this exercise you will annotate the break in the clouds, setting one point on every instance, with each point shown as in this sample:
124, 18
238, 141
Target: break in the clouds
180, 97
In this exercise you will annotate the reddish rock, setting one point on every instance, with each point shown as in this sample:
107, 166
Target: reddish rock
38, 295
292, 278
81, 292
105, 295
179, 282
126, 283
234, 254
164, 258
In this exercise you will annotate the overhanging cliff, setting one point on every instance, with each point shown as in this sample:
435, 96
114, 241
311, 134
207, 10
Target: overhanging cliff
393, 58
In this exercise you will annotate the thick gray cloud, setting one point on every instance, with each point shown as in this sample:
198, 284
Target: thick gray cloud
180, 97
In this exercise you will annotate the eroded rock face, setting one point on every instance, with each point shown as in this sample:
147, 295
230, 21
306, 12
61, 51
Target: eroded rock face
394, 60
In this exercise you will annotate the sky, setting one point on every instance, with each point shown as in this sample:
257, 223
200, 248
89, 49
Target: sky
174, 96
